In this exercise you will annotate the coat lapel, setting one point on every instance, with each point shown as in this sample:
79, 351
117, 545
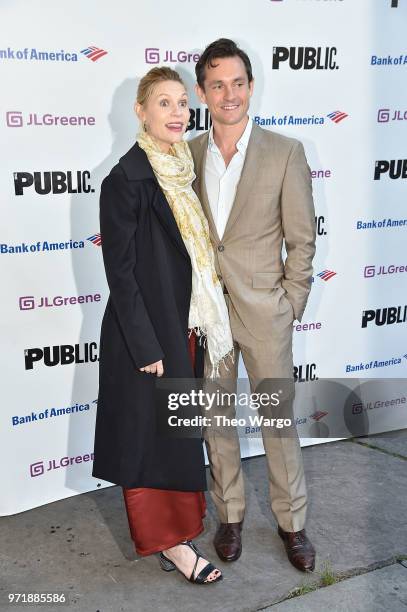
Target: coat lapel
137, 167
167, 219
247, 180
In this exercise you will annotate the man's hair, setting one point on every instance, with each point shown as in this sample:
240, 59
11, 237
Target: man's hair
223, 47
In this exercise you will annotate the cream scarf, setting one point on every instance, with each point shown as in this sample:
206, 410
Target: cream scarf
208, 313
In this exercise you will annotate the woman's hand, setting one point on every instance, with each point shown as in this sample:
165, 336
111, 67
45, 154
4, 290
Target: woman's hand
154, 368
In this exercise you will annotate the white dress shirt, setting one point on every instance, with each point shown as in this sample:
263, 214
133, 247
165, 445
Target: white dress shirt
221, 181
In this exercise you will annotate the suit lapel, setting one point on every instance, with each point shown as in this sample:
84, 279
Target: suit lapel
200, 188
247, 180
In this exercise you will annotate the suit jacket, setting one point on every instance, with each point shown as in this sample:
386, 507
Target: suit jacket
273, 204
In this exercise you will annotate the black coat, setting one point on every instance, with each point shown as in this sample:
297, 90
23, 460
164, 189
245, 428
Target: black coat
146, 319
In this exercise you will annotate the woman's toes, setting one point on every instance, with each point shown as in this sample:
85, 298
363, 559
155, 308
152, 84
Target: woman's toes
213, 575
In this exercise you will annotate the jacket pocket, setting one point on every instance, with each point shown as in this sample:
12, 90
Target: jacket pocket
267, 280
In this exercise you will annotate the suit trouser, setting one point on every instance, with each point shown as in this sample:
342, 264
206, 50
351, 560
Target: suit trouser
283, 452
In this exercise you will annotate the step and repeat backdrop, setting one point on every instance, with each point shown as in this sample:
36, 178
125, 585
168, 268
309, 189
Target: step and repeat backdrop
332, 73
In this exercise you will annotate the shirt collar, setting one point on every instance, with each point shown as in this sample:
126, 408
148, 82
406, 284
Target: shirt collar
241, 144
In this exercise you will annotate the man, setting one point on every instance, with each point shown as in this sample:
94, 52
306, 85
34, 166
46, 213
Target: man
255, 188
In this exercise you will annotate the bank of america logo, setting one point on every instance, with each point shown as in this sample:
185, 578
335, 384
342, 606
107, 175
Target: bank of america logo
96, 239
337, 116
93, 53
318, 415
326, 274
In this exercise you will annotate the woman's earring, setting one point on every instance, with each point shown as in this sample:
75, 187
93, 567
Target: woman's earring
144, 126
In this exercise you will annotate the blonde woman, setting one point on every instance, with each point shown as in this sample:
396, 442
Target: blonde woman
163, 288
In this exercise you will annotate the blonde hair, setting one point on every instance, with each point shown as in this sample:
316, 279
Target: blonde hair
152, 78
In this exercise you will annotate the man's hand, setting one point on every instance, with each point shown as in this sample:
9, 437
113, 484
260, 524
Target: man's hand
154, 368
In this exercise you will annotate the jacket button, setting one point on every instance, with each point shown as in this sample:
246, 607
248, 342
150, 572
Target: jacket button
221, 248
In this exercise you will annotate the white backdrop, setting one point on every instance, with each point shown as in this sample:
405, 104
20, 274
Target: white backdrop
69, 77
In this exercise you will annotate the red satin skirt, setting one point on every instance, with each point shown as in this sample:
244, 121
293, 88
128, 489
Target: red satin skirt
158, 518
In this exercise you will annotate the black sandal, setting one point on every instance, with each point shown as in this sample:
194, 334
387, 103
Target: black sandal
168, 566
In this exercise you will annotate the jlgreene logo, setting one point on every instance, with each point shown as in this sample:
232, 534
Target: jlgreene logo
16, 119
385, 316
395, 168
371, 271
39, 467
359, 407
305, 58
29, 302
33, 54
62, 354
56, 182
384, 115
154, 55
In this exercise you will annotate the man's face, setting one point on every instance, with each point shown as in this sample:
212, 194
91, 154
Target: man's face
226, 90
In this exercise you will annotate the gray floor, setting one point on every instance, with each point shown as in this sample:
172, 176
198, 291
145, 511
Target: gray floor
357, 520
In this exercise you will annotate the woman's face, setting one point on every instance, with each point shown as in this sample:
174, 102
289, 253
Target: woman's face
166, 113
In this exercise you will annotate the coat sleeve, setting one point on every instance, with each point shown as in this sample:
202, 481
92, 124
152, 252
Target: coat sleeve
298, 223
118, 225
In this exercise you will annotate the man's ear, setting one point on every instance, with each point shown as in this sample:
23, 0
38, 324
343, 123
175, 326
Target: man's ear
251, 86
200, 93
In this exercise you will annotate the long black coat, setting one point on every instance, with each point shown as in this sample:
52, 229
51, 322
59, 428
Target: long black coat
146, 319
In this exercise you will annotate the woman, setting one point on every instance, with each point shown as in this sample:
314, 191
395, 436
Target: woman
163, 287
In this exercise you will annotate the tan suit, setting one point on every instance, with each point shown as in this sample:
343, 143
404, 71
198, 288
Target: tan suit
273, 203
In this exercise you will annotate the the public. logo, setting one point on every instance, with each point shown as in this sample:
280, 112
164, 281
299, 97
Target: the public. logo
320, 226
396, 168
385, 316
56, 182
326, 275
199, 119
305, 58
380, 270
154, 55
305, 372
29, 302
337, 116
96, 239
93, 53
19, 119
61, 354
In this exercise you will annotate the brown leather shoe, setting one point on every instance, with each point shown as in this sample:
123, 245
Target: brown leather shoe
228, 541
300, 551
